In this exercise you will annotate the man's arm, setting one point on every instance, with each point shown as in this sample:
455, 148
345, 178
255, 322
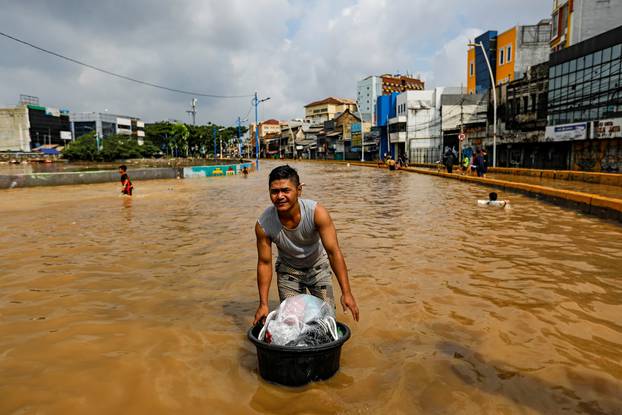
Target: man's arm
328, 234
264, 272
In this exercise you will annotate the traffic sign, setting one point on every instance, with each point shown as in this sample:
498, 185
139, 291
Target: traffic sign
461, 136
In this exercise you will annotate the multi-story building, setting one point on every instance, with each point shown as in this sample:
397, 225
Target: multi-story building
370, 88
511, 54
463, 114
385, 111
27, 127
368, 91
585, 102
522, 121
574, 21
478, 75
416, 128
14, 129
105, 125
326, 109
400, 83
520, 48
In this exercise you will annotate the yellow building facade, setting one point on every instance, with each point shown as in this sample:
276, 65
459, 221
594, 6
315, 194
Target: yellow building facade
506, 59
319, 111
471, 71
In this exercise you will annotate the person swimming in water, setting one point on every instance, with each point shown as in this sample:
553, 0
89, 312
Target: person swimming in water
492, 201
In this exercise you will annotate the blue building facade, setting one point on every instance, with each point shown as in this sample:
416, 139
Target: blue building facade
385, 109
482, 75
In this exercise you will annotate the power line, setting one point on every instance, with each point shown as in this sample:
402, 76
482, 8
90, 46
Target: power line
127, 78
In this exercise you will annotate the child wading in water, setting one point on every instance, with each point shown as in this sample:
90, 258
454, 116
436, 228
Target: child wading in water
126, 183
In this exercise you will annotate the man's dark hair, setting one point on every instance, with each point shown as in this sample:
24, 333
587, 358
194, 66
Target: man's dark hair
284, 173
492, 196
123, 167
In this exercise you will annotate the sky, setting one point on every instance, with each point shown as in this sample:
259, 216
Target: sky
294, 52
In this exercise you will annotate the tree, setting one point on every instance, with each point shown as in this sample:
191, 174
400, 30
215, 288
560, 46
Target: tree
114, 147
179, 138
83, 148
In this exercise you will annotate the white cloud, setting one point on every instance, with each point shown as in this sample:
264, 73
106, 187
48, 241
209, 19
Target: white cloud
293, 51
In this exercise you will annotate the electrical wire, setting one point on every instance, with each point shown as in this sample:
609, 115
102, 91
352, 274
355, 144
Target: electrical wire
127, 78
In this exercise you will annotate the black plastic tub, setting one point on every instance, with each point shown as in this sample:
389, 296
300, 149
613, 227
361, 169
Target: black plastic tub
297, 366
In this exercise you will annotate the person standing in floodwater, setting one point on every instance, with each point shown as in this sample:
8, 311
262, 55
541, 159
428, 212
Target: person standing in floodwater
126, 184
307, 244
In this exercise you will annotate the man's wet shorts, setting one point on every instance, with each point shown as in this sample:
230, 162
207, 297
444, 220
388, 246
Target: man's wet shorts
316, 279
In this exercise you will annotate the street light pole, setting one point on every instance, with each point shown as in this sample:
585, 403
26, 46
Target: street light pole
358, 109
494, 103
256, 102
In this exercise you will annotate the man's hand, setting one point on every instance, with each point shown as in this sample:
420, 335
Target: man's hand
261, 314
348, 302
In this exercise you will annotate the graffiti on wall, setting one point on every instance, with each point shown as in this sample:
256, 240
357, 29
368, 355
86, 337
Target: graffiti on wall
598, 155
208, 171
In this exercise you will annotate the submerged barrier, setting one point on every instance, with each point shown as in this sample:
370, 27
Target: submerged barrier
10, 181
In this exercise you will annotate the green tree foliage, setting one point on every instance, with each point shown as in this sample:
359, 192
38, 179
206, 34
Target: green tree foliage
169, 138
83, 148
115, 147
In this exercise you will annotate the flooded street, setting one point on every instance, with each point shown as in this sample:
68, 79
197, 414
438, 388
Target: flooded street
112, 305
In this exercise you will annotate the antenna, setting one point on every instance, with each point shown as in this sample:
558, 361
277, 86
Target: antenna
193, 111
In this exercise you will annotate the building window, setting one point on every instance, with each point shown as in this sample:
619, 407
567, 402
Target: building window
509, 54
501, 57
555, 28
471, 69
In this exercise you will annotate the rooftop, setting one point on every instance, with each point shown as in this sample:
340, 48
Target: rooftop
332, 100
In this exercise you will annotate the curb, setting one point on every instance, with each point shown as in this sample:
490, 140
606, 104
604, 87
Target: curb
601, 206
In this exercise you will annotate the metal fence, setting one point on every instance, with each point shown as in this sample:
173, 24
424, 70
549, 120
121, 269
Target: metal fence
425, 155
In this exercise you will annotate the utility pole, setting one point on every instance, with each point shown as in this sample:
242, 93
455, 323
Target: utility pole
239, 139
461, 132
256, 102
214, 135
193, 111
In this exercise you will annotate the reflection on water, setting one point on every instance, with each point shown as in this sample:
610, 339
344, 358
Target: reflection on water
119, 305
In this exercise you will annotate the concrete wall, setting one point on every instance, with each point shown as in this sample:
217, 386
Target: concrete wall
86, 177
14, 129
593, 17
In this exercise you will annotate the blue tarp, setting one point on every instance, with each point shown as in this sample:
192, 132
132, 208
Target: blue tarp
50, 151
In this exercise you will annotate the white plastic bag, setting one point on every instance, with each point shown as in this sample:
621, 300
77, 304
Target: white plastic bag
301, 316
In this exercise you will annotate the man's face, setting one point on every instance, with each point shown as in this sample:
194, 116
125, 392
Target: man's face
121, 172
284, 194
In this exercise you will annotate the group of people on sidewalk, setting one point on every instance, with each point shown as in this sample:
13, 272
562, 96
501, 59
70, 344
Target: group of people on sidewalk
471, 162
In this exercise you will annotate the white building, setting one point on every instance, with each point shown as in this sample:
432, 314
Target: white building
105, 124
416, 128
578, 20
368, 91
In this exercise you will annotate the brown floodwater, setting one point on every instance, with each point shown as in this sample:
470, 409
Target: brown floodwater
110, 305
574, 185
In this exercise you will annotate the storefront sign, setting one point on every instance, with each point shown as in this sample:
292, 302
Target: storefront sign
607, 128
566, 132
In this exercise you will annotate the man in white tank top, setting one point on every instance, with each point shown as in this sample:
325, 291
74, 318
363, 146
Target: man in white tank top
307, 244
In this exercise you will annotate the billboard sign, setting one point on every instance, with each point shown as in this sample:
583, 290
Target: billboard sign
566, 132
